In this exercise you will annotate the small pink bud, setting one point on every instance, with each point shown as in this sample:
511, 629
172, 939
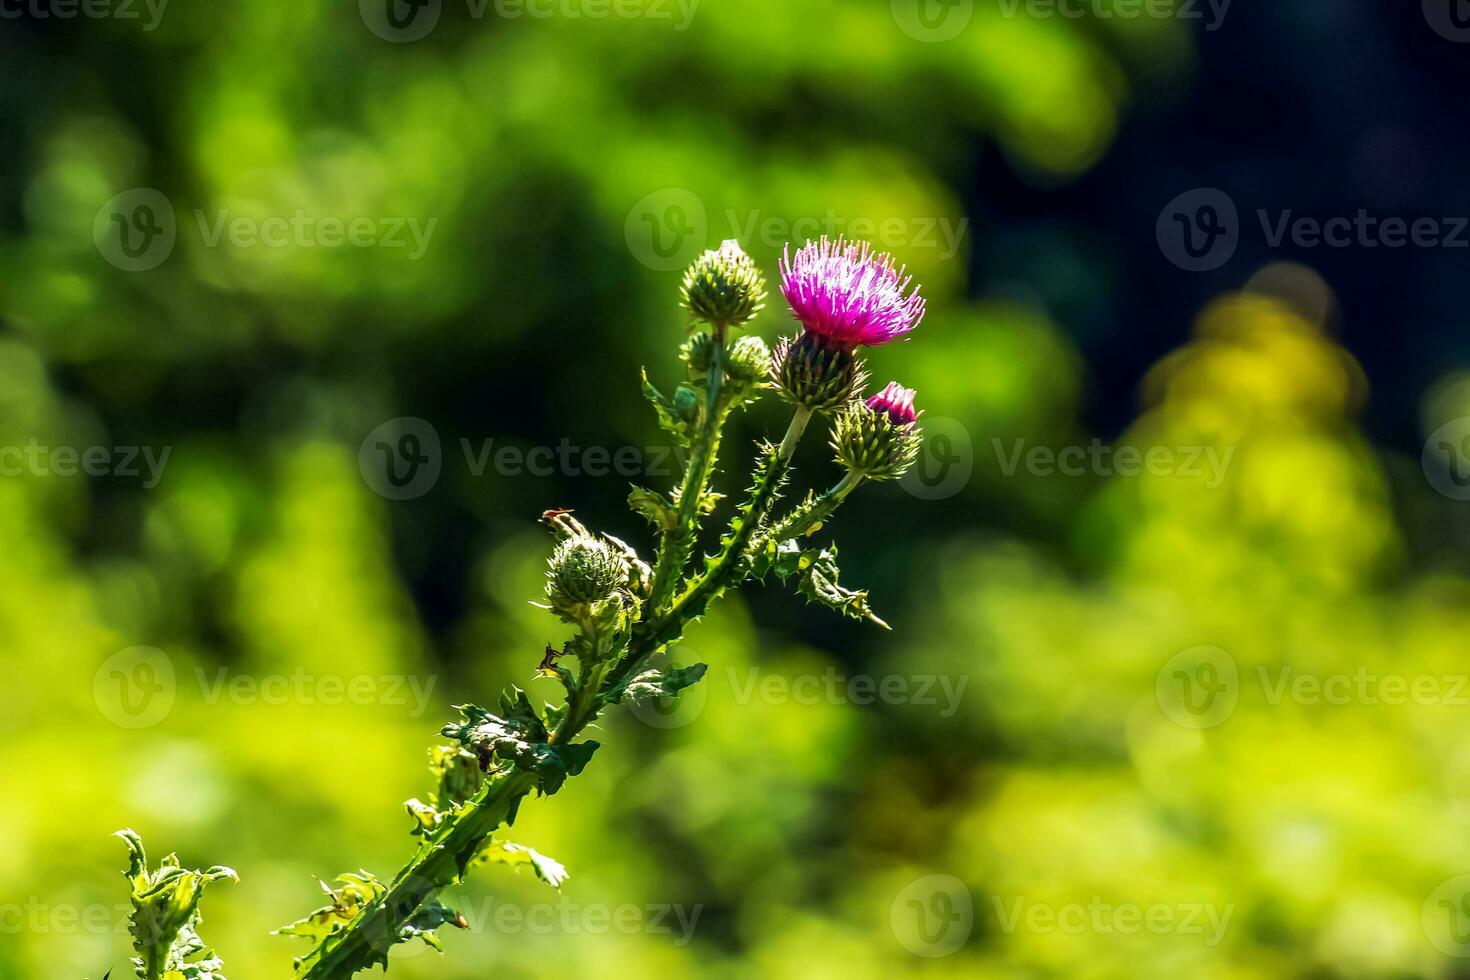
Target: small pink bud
896, 402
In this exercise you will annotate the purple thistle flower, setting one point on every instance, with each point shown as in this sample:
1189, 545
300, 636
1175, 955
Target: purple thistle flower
896, 402
848, 294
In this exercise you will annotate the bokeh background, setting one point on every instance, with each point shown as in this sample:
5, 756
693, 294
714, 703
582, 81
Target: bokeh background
1133, 776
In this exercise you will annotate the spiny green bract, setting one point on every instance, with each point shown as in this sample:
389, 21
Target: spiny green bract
584, 570
814, 375
867, 443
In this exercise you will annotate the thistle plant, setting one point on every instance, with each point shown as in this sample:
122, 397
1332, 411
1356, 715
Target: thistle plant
623, 609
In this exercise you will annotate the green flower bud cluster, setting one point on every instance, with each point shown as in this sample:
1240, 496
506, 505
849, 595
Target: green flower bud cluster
724, 287
746, 364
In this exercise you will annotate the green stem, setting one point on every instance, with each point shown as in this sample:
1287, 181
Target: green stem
799, 419
437, 865
678, 543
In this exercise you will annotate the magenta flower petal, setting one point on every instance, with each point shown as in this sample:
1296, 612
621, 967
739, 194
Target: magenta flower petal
896, 402
849, 294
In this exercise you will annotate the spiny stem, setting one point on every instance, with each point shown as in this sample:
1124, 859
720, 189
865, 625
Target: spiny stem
815, 511
368, 937
678, 543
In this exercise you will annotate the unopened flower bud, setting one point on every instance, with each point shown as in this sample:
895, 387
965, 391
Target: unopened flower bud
879, 439
584, 570
814, 374
724, 287
698, 353
748, 360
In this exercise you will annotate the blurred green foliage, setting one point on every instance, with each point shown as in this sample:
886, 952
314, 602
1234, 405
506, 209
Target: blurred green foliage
1061, 777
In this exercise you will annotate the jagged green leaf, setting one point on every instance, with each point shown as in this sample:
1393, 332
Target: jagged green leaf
652, 684
547, 869
816, 577
519, 737
654, 506
668, 413
356, 890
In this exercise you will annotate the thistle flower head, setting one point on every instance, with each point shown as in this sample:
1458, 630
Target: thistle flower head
583, 570
879, 439
724, 287
849, 294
